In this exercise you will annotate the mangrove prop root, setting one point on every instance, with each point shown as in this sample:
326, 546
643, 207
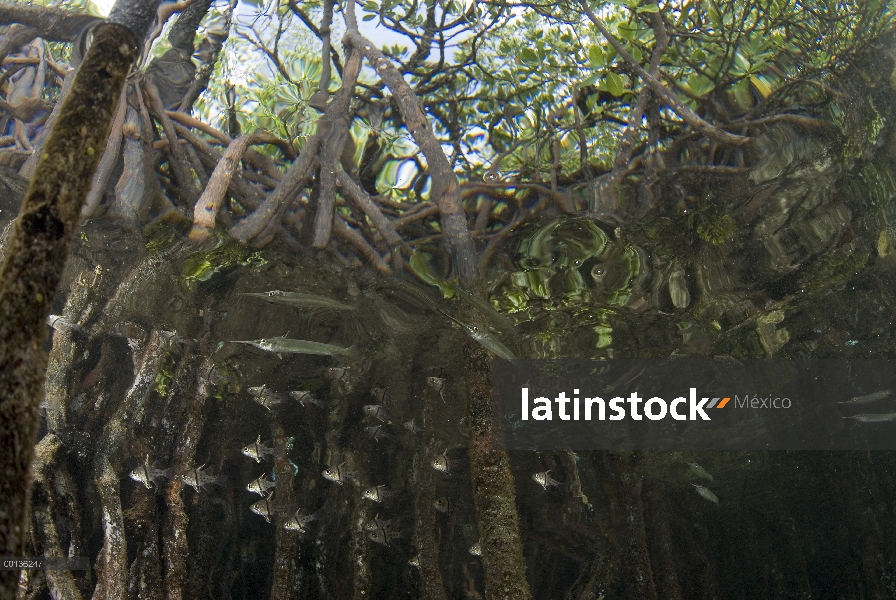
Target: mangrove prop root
666, 578
175, 546
493, 487
35, 257
638, 555
61, 581
294, 178
60, 376
287, 554
431, 585
208, 204
445, 188
114, 555
107, 162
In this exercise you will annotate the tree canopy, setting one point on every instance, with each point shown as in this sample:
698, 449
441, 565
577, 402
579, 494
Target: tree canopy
496, 111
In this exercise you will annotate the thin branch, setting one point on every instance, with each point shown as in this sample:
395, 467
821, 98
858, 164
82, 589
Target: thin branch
295, 177
50, 23
445, 191
687, 115
178, 159
366, 204
107, 162
208, 204
310, 25
607, 190
342, 230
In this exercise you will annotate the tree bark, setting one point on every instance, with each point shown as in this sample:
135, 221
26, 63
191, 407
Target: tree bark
52, 24
494, 491
35, 257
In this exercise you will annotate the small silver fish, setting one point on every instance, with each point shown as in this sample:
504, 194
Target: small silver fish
382, 536
338, 474
868, 398
409, 425
706, 493
872, 418
300, 300
266, 397
197, 479
544, 479
60, 323
377, 432
150, 475
378, 493
285, 345
258, 450
262, 486
438, 384
377, 523
699, 471
378, 412
266, 508
443, 464
299, 522
443, 505
476, 549
305, 398
338, 373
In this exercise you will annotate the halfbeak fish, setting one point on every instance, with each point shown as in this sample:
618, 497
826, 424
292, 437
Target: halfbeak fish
868, 398
300, 300
874, 418
485, 339
290, 346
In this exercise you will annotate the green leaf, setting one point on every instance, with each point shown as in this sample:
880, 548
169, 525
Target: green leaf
528, 56
648, 8
596, 57
422, 268
761, 86
368, 17
626, 33
590, 80
700, 85
610, 53
741, 62
614, 84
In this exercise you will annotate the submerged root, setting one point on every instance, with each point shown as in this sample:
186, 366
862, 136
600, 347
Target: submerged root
61, 582
286, 555
175, 546
493, 488
431, 584
114, 579
112, 562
